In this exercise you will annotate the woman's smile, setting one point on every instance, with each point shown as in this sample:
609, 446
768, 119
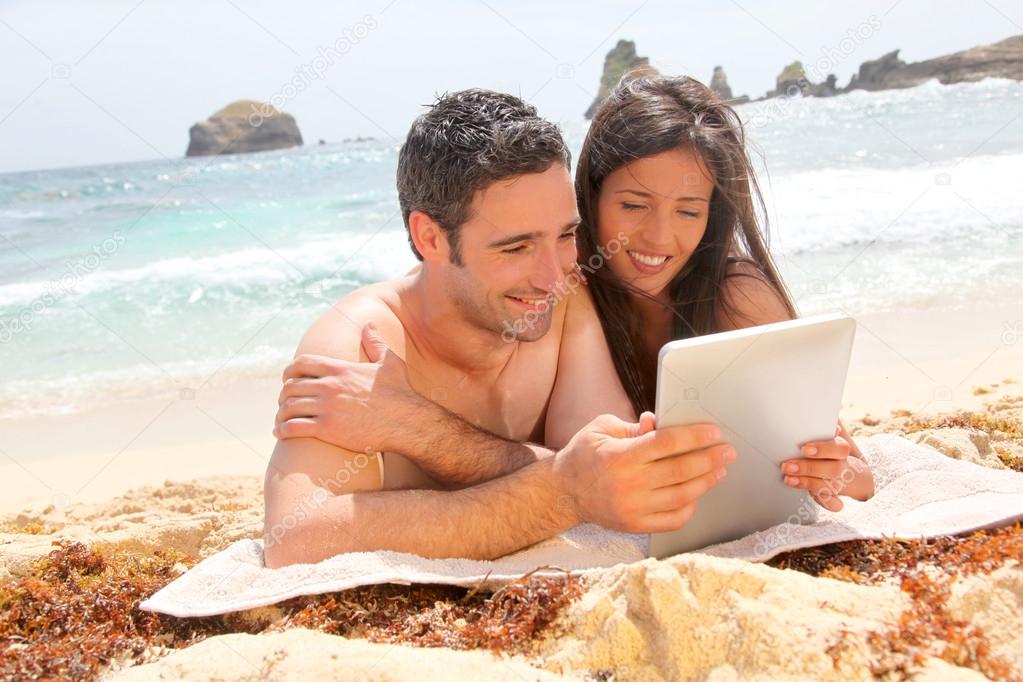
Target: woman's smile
647, 262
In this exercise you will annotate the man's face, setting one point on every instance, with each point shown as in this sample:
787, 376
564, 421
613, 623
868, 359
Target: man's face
517, 247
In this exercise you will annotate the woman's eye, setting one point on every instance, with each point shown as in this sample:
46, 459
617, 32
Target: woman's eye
632, 207
690, 214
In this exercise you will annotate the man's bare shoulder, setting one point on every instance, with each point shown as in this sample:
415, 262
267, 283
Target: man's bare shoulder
338, 331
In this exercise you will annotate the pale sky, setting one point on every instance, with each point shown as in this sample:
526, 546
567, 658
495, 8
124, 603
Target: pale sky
124, 80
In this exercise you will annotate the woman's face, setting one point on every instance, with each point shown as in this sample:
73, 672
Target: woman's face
660, 205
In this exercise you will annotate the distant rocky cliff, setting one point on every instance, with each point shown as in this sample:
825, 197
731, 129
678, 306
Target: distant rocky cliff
241, 127
1003, 59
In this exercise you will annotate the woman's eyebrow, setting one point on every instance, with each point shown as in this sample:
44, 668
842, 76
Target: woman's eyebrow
648, 195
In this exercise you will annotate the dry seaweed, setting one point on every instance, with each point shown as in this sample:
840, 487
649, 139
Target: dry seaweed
1014, 462
77, 614
981, 421
925, 571
438, 616
30, 527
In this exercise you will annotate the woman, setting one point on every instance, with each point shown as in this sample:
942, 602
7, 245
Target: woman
664, 171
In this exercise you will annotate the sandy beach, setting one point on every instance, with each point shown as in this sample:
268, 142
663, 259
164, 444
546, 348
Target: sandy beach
184, 476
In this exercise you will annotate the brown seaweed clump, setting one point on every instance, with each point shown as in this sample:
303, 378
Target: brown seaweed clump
76, 615
925, 570
437, 616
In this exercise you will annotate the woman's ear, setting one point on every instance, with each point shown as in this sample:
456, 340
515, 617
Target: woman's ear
428, 236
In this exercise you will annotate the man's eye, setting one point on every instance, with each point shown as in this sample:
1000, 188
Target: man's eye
514, 249
568, 235
632, 207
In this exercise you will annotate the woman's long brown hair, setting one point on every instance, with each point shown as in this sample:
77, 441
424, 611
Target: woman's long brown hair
647, 116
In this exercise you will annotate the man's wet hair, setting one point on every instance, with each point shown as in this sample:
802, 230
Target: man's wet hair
465, 142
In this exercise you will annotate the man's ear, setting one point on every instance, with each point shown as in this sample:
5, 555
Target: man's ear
429, 237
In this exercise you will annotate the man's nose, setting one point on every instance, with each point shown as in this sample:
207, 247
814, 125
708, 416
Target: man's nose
549, 270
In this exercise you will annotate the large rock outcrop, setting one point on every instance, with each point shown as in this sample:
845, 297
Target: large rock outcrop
719, 83
621, 61
1003, 59
791, 81
241, 127
872, 72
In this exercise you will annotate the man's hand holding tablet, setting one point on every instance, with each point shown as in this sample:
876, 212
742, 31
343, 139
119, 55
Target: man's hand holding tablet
630, 477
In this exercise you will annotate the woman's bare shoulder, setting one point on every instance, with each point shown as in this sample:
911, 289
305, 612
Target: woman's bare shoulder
748, 298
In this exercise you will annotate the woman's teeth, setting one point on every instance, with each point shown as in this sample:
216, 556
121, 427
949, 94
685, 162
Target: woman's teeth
652, 261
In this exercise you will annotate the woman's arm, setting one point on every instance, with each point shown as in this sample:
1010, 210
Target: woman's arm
587, 384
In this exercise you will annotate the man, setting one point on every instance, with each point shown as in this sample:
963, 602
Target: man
500, 354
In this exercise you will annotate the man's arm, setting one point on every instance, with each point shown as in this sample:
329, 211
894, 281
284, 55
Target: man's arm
372, 406
620, 475
322, 499
359, 401
312, 517
457, 453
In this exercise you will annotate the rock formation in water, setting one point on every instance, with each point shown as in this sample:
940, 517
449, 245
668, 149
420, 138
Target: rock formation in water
241, 127
622, 60
719, 83
1003, 59
791, 81
872, 72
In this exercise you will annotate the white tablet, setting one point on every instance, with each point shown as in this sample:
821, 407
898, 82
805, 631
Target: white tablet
770, 389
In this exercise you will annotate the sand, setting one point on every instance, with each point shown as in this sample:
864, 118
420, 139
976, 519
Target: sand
191, 481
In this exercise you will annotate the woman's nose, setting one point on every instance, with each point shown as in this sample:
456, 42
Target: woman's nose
657, 228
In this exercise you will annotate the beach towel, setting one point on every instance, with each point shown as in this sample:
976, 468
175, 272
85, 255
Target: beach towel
920, 493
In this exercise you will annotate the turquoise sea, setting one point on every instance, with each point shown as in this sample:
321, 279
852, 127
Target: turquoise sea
135, 279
